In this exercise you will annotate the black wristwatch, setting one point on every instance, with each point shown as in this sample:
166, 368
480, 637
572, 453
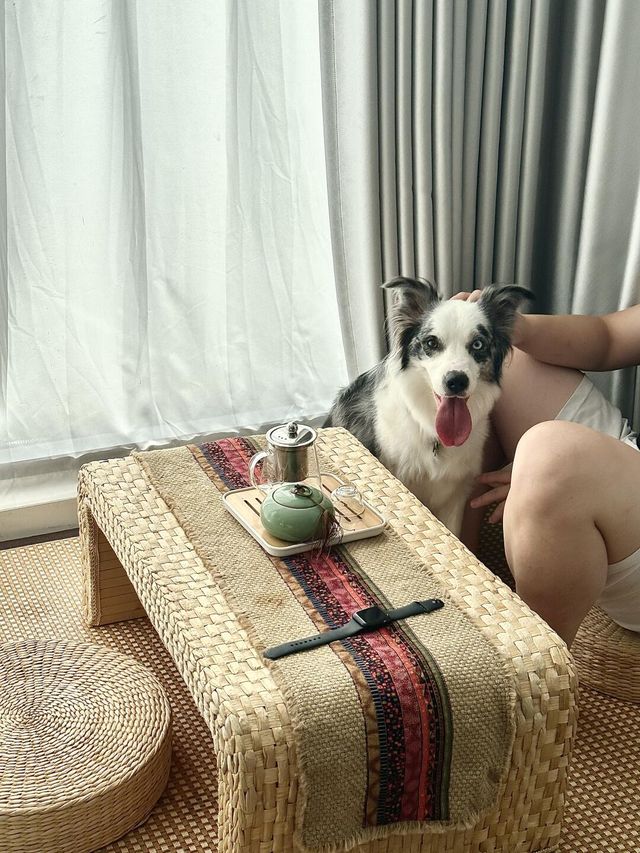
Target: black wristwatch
369, 619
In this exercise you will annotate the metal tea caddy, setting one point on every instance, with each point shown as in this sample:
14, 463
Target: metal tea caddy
291, 457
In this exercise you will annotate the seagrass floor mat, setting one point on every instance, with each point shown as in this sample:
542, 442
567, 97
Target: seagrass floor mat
40, 597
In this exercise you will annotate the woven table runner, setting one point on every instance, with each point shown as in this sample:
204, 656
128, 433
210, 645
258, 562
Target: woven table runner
393, 728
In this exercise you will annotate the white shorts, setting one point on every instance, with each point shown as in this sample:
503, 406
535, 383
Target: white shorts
620, 598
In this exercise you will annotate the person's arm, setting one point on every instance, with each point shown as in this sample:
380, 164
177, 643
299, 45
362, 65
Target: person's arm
606, 342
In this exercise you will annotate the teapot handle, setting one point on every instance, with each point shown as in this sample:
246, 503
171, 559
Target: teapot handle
255, 459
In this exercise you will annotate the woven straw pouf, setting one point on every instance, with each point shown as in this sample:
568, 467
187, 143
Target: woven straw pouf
85, 746
608, 656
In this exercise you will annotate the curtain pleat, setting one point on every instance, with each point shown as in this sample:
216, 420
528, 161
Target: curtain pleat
350, 58
511, 140
571, 93
472, 111
404, 135
531, 140
489, 144
458, 120
388, 139
442, 141
422, 134
135, 360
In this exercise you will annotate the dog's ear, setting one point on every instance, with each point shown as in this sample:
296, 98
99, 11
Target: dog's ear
507, 297
416, 295
501, 302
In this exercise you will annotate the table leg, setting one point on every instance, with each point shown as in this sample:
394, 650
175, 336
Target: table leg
108, 595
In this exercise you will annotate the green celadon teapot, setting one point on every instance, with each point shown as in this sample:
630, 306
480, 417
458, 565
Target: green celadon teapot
295, 512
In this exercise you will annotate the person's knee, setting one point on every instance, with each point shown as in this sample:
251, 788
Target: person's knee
552, 440
552, 486
547, 467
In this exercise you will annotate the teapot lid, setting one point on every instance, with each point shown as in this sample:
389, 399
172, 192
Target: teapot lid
292, 435
297, 496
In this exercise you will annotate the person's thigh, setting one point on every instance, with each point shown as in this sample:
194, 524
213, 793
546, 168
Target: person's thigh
614, 473
532, 392
588, 475
573, 511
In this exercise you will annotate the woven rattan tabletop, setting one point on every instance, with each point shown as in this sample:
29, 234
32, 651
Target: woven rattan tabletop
137, 559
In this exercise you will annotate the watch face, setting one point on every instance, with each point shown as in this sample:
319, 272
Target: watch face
372, 617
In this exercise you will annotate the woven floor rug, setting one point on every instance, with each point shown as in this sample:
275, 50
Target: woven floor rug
40, 597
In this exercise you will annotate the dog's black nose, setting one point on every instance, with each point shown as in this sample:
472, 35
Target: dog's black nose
456, 381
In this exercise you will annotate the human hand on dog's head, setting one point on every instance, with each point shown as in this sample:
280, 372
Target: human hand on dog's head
467, 296
514, 294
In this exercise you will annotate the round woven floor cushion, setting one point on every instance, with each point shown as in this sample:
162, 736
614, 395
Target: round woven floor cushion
608, 656
85, 746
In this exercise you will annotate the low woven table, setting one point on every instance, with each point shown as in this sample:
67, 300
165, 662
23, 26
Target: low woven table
85, 746
138, 559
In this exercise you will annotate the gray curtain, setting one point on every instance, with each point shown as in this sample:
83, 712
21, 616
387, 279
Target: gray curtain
484, 141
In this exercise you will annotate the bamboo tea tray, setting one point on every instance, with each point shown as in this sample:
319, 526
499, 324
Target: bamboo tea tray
244, 505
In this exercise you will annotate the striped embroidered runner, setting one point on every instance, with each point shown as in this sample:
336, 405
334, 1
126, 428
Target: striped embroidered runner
380, 737
404, 699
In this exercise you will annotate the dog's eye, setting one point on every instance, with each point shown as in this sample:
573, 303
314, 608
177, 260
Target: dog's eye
431, 342
478, 344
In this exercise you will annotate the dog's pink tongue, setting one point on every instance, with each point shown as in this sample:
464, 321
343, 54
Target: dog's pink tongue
453, 421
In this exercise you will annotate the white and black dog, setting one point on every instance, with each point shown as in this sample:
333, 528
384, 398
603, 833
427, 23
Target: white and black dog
424, 409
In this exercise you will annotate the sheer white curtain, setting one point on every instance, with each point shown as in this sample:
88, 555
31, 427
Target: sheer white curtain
165, 263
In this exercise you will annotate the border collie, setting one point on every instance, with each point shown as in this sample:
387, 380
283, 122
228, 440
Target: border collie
424, 409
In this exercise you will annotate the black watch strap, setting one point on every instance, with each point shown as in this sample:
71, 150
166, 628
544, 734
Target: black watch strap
415, 608
348, 630
352, 627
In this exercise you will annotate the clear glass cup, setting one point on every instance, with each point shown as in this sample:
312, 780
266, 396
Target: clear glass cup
349, 506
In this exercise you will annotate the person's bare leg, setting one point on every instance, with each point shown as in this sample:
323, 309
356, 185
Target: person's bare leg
532, 392
573, 508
